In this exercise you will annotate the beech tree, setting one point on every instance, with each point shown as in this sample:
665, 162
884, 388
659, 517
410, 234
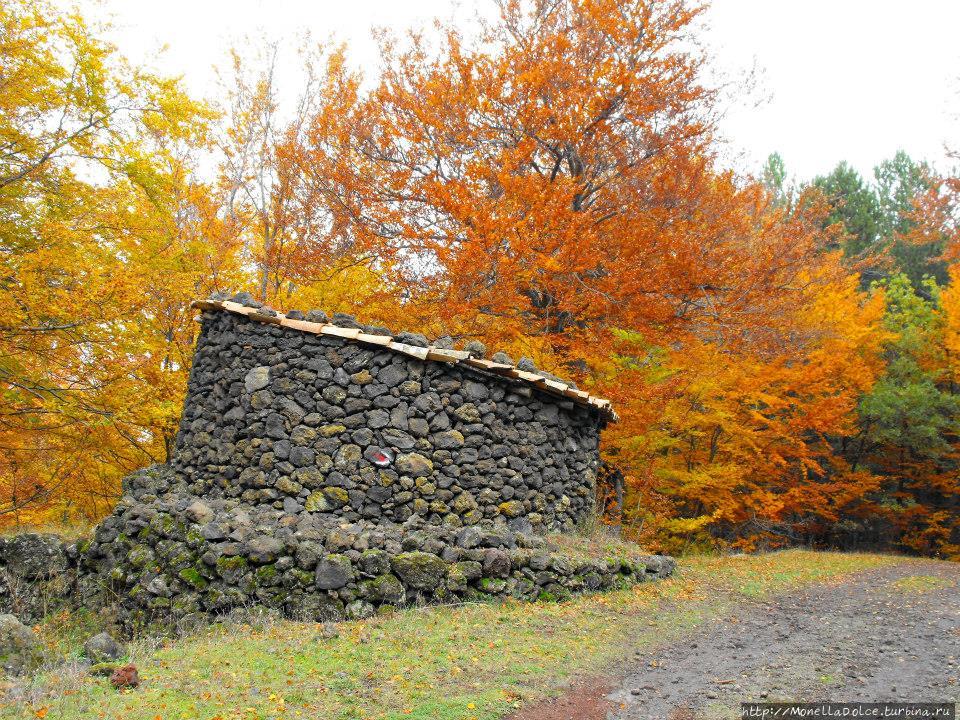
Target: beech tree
104, 236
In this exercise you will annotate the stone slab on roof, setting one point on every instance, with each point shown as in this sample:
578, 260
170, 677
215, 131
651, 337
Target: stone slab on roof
430, 352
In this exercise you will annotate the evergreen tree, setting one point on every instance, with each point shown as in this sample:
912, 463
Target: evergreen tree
854, 204
909, 419
899, 181
774, 179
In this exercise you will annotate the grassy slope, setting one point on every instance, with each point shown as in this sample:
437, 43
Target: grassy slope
474, 661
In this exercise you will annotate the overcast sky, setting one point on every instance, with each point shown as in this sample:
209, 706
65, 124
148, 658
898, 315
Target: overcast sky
838, 79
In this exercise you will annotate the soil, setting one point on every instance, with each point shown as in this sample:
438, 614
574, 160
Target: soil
586, 698
868, 638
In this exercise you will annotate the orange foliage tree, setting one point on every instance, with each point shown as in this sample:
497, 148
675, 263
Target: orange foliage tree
552, 188
549, 183
739, 445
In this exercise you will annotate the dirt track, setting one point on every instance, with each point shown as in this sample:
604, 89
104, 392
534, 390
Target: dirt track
886, 634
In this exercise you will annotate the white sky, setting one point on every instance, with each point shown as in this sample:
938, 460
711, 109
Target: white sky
838, 79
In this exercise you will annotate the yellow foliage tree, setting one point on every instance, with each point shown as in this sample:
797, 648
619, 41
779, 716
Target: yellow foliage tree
104, 238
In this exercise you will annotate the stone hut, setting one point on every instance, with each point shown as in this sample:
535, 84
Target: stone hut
327, 469
338, 418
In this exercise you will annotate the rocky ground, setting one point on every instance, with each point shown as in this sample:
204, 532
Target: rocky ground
891, 633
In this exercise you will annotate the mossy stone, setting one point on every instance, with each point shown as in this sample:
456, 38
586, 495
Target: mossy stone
419, 570
266, 575
511, 508
192, 576
20, 650
231, 568
456, 579
327, 500
302, 577
386, 589
493, 586
328, 431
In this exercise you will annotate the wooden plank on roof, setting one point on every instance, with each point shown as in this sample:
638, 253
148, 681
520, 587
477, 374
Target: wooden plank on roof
348, 333
553, 384
444, 355
381, 340
412, 350
460, 355
501, 369
205, 305
237, 308
302, 325
530, 377
475, 362
488, 364
271, 319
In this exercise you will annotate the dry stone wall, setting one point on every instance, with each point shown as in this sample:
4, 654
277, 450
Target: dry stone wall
310, 423
168, 555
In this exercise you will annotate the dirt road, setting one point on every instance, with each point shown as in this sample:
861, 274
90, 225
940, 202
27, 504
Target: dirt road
886, 634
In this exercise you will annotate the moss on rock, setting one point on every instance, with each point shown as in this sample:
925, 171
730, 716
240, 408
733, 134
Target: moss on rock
420, 570
193, 577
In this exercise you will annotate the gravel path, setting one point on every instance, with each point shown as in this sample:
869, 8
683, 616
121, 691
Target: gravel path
887, 634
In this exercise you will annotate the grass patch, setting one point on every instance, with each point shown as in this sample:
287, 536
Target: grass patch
599, 544
64, 633
921, 584
470, 661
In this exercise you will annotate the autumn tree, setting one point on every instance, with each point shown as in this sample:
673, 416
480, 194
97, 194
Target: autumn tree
908, 423
738, 448
290, 233
104, 235
551, 182
552, 188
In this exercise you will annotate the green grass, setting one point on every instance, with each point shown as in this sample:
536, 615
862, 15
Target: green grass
472, 661
920, 584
